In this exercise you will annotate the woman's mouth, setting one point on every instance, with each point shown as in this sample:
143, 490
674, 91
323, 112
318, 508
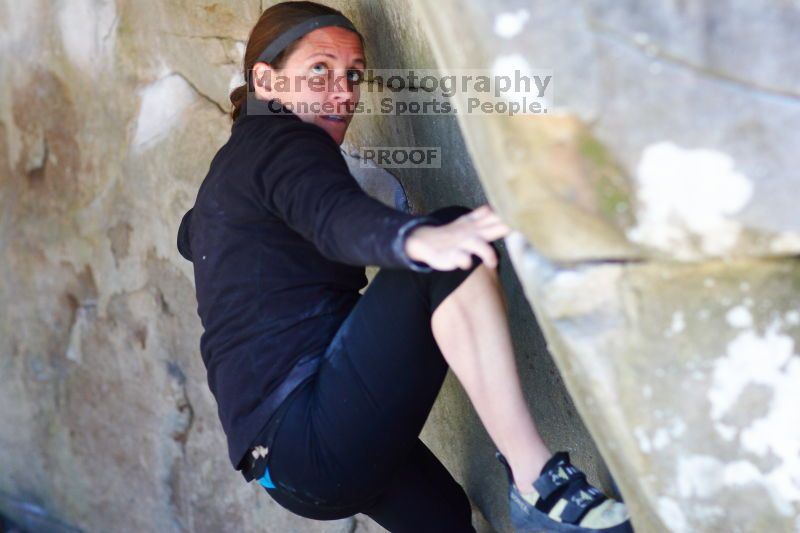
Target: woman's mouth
334, 118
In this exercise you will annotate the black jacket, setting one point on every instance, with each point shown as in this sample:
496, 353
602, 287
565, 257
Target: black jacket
279, 236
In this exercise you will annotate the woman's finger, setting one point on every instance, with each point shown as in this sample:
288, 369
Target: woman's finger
462, 259
491, 233
487, 255
488, 219
482, 249
487, 223
479, 212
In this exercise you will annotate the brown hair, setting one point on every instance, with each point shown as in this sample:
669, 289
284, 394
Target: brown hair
272, 23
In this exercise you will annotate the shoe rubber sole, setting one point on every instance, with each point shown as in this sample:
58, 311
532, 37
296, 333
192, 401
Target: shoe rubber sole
534, 521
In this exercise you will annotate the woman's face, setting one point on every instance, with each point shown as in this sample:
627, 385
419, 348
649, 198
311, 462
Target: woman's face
320, 79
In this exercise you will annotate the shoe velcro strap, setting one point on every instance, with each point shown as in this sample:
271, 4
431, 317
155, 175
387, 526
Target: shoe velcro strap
581, 498
555, 477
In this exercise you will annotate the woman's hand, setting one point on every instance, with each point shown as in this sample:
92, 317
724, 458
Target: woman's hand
450, 246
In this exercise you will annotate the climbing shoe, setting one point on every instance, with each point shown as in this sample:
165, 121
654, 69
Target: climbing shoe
562, 501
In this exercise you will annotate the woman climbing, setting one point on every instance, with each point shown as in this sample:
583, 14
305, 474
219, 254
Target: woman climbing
321, 391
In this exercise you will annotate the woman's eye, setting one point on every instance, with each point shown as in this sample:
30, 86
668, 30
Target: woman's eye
319, 68
355, 76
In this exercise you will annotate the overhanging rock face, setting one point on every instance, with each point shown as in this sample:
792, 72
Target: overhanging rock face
657, 240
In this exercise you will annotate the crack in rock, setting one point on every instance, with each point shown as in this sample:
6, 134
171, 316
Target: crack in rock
199, 92
651, 49
215, 37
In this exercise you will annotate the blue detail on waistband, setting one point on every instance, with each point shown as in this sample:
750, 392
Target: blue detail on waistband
266, 481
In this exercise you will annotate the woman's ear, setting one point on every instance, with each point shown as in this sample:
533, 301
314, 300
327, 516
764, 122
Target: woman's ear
262, 82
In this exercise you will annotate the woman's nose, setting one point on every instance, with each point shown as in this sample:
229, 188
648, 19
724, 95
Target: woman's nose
340, 87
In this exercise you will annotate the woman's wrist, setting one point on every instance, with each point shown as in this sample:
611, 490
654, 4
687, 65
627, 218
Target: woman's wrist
400, 244
412, 243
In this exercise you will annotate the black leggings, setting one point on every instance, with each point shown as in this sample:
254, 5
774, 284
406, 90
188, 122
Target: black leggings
349, 439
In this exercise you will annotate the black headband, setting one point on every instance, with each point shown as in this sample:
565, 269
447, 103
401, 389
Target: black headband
295, 32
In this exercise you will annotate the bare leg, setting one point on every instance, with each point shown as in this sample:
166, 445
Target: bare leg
471, 328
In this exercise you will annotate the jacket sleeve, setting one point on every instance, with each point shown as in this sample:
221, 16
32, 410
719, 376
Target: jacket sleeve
306, 183
184, 246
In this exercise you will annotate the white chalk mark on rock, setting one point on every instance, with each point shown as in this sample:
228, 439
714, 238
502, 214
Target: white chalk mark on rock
509, 24
739, 317
88, 31
162, 103
684, 194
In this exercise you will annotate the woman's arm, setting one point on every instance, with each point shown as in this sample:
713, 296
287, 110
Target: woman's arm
306, 183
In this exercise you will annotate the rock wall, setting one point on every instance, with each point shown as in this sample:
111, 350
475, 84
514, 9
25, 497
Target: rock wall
657, 240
